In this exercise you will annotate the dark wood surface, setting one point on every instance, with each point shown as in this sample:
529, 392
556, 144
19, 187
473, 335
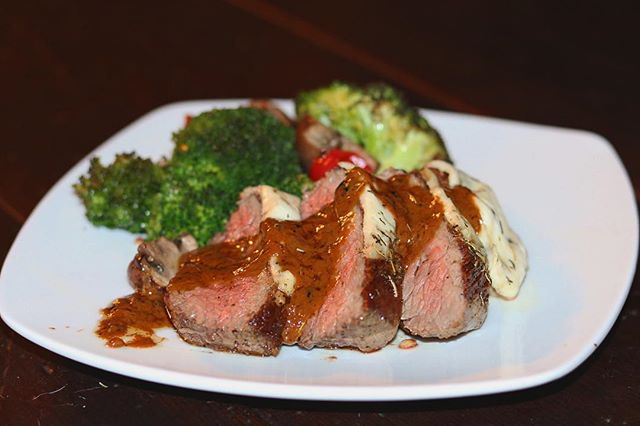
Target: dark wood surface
73, 73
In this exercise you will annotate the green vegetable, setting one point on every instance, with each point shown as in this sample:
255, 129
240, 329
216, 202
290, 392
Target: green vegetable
378, 118
215, 157
120, 195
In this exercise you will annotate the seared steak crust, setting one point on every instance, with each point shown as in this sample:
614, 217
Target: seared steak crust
476, 287
383, 292
269, 321
445, 289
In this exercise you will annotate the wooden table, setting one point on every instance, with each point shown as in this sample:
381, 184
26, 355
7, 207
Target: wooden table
73, 73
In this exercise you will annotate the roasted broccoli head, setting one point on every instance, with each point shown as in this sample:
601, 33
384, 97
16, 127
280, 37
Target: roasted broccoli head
216, 156
377, 117
120, 195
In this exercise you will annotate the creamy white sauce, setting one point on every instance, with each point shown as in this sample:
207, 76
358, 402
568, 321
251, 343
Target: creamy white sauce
379, 226
280, 206
506, 255
277, 204
284, 279
452, 214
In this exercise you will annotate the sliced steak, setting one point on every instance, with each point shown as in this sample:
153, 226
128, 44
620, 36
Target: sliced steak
240, 315
226, 296
256, 204
156, 262
506, 255
445, 285
445, 288
362, 310
367, 255
322, 193
326, 281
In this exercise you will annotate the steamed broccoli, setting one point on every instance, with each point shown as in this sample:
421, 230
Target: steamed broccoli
378, 118
120, 195
215, 157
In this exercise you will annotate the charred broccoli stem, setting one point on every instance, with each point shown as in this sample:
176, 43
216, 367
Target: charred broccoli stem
121, 194
377, 117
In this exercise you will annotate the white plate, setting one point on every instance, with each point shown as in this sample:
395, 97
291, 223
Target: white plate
564, 191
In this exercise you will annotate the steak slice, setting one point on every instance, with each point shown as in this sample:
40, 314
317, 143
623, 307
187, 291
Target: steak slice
229, 295
156, 262
256, 204
445, 285
212, 304
238, 316
322, 193
445, 288
476, 201
362, 309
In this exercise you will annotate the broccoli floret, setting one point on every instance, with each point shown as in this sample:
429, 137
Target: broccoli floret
120, 195
377, 117
216, 156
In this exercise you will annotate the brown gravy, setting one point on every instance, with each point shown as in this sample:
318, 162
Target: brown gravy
132, 320
465, 202
417, 214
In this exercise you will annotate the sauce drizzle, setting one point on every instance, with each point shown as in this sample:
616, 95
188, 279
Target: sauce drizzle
132, 320
466, 203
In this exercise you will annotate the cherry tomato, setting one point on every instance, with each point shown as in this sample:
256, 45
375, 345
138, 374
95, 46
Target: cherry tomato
330, 160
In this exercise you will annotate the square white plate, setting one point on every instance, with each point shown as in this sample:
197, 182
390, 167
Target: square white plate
564, 191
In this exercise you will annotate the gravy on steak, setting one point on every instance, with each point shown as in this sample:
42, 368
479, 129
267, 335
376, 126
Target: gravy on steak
307, 249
